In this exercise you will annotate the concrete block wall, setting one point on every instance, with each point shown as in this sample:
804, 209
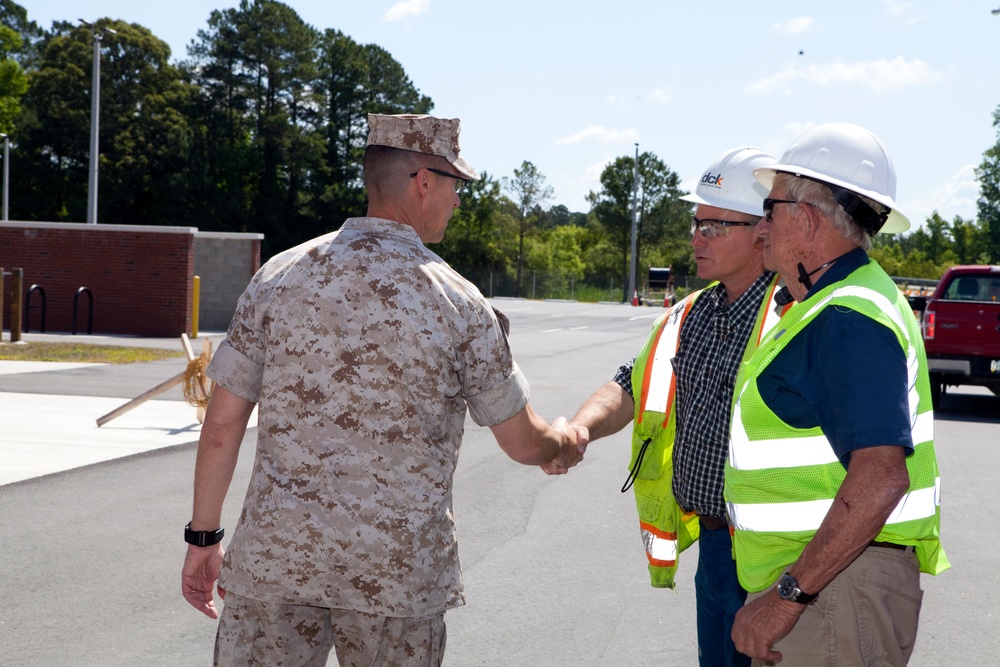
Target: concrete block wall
224, 263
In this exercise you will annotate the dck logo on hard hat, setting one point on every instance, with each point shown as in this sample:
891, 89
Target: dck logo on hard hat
709, 179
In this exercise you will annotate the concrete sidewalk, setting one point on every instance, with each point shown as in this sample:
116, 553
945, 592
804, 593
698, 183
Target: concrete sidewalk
44, 433
49, 410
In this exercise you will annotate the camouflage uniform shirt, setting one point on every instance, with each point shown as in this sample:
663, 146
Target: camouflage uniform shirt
362, 349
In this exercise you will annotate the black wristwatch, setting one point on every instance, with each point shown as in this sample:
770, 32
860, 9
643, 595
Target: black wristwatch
203, 538
788, 589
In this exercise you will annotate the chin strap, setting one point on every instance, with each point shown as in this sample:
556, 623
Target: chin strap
804, 277
783, 297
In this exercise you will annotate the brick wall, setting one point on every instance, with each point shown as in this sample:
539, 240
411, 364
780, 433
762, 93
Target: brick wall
140, 277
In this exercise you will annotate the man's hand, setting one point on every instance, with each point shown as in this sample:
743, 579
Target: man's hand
760, 624
201, 571
574, 446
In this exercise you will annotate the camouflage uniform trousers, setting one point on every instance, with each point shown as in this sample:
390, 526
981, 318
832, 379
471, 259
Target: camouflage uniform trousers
280, 635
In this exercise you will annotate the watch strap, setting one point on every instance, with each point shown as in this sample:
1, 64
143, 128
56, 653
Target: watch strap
203, 538
792, 591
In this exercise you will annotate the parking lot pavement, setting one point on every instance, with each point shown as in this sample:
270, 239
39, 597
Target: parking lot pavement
554, 569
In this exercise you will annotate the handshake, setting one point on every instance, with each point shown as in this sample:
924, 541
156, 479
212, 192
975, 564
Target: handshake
573, 444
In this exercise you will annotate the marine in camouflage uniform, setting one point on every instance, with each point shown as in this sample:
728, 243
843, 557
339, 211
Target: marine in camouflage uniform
362, 350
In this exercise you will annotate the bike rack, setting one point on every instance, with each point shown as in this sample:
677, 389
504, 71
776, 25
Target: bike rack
27, 308
90, 310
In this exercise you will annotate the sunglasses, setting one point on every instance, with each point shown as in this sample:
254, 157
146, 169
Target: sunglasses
769, 205
460, 183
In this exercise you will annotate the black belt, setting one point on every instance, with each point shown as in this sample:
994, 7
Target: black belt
713, 522
888, 545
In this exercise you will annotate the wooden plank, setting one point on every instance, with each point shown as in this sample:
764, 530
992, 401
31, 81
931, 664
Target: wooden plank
142, 398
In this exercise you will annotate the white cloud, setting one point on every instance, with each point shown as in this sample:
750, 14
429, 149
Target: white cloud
599, 134
660, 95
574, 186
407, 9
900, 9
796, 26
880, 75
955, 197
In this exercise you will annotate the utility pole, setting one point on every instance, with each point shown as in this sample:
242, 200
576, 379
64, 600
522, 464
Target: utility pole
635, 194
95, 119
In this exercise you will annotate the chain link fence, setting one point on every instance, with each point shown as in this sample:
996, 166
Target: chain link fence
541, 285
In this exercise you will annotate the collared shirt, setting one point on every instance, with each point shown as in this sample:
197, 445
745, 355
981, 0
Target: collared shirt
363, 350
845, 373
712, 341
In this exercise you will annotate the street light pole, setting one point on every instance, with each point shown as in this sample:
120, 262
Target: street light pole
6, 173
635, 192
95, 120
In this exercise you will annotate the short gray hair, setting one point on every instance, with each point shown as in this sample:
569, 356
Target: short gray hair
820, 196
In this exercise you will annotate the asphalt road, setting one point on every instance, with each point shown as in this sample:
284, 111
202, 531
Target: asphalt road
554, 570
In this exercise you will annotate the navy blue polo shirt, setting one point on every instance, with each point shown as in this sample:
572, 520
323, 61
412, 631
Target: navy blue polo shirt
845, 373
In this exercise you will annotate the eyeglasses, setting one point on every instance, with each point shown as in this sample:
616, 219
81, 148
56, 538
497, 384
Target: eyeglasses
769, 205
460, 183
711, 228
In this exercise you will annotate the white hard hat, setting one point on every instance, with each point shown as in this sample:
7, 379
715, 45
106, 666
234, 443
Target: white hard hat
848, 156
729, 181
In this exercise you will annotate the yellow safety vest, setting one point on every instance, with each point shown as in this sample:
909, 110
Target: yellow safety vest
781, 480
665, 528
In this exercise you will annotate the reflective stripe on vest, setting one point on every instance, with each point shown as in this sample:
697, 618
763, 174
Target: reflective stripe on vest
796, 452
658, 383
816, 450
808, 515
661, 547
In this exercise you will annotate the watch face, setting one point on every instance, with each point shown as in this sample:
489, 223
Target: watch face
788, 588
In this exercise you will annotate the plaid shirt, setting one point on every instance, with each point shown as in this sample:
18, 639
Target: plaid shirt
713, 339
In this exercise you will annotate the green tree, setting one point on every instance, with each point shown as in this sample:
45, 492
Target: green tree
478, 230
15, 17
988, 204
934, 238
256, 64
144, 138
528, 193
661, 218
13, 80
354, 81
968, 241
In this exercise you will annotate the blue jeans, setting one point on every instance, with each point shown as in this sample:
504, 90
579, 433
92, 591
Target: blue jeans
719, 596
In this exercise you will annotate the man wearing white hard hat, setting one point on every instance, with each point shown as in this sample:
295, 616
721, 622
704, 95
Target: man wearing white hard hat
678, 392
832, 482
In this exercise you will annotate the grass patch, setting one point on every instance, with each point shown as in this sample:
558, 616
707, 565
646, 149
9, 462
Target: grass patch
80, 353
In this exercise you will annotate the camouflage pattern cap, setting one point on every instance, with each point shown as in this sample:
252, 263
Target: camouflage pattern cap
422, 134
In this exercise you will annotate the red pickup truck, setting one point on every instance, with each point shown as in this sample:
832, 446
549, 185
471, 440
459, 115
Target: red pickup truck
961, 327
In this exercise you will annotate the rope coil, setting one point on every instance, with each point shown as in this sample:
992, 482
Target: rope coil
197, 386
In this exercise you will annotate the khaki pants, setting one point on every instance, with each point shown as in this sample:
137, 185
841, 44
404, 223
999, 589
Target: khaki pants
277, 635
866, 617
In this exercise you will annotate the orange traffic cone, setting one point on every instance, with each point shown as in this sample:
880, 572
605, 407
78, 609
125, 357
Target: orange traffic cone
666, 299
635, 297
